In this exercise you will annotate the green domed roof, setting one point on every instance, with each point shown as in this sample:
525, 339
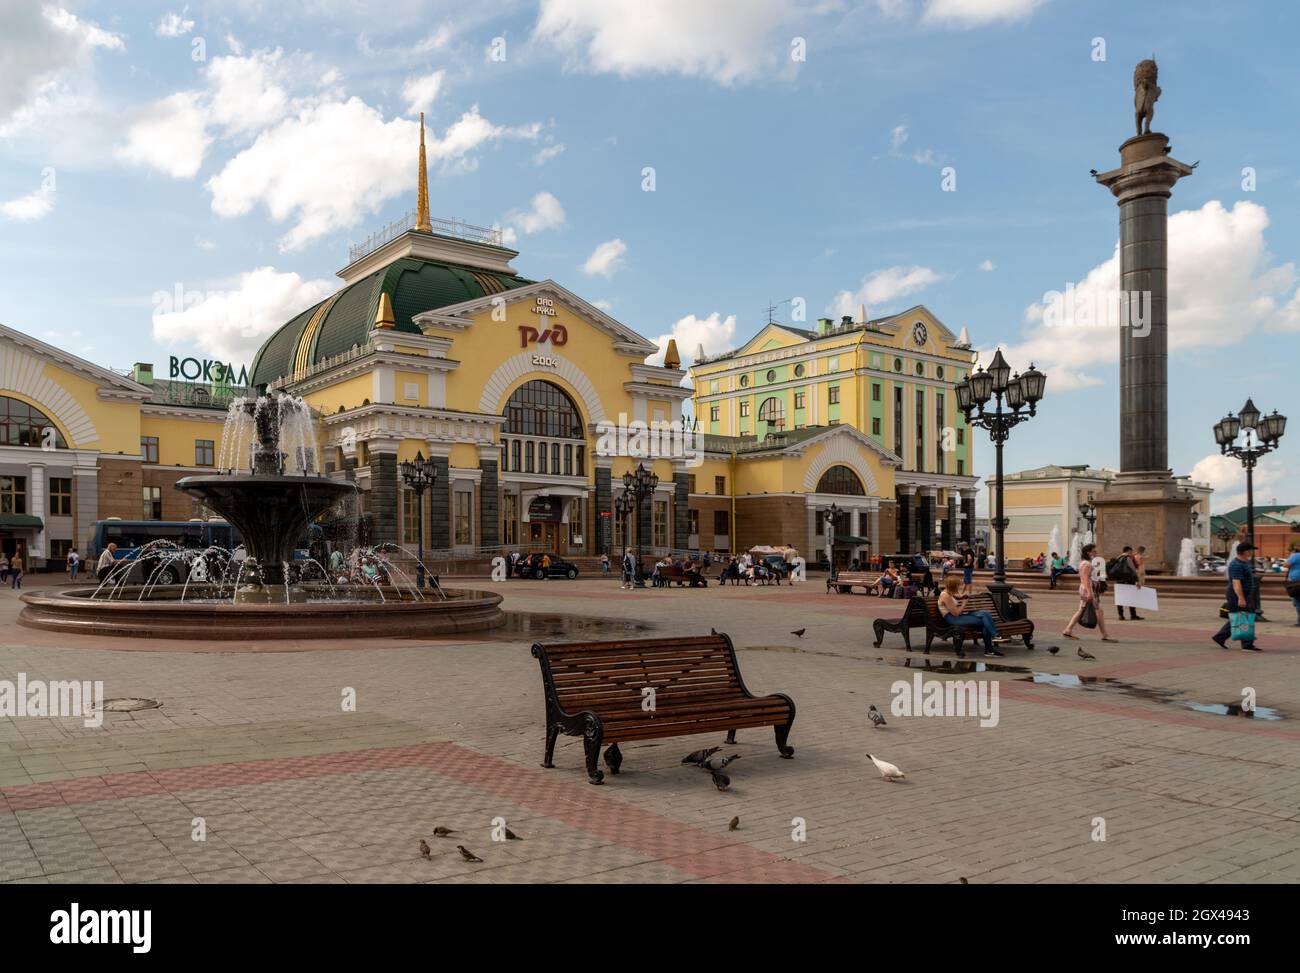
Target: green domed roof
335, 325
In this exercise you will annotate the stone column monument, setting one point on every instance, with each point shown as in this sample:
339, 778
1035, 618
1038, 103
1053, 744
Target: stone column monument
1144, 504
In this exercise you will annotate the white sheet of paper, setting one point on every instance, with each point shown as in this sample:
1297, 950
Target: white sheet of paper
1131, 596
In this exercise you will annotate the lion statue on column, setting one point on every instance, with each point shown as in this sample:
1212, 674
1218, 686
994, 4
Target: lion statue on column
1145, 93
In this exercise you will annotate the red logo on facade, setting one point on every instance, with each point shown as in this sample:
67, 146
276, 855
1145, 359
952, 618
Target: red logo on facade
557, 335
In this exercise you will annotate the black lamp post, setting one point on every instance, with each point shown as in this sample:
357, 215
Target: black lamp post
624, 506
641, 485
1225, 534
1262, 436
829, 521
1089, 513
1021, 392
419, 475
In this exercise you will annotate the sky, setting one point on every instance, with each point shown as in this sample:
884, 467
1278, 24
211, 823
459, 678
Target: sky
181, 179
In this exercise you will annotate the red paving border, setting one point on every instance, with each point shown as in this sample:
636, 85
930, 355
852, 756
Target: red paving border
692, 850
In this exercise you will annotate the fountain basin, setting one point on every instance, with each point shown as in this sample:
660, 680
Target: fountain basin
163, 615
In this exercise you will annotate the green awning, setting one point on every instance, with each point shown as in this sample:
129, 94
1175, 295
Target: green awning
21, 520
851, 540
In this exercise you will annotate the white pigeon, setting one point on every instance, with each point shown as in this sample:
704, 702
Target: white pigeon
887, 770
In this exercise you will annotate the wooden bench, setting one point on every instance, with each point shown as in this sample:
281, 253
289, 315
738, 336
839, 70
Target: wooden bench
846, 581
936, 627
676, 573
914, 615
595, 690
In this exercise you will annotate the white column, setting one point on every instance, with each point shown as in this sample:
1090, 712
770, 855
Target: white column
38, 507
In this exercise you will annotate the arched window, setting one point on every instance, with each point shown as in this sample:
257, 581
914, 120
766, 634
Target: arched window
772, 411
25, 425
538, 408
841, 480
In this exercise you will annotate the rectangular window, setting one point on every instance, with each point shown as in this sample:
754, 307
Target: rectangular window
898, 422
721, 523
568, 459
719, 485
833, 395
555, 458
153, 503
799, 398
939, 439
60, 496
744, 408
834, 364
875, 391
510, 519
694, 517
690, 482
541, 457
204, 452
961, 436
149, 448
514, 456
463, 517
582, 461
920, 431
961, 467
659, 528
714, 413
410, 518
528, 457
875, 426
576, 510
59, 550
13, 494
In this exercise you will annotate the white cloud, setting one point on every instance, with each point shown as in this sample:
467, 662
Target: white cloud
988, 266
884, 286
976, 13
33, 206
231, 324
1225, 474
546, 214
171, 137
335, 162
173, 25
547, 153
728, 41
898, 137
1223, 287
715, 333
607, 259
420, 93
246, 94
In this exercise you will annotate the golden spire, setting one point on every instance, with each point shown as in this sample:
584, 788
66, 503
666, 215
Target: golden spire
384, 317
671, 358
422, 199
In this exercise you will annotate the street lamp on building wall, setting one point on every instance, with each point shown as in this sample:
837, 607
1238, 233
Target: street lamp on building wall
419, 475
640, 485
1262, 436
1021, 392
1089, 513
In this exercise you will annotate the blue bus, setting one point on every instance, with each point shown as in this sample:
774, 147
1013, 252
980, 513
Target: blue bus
131, 536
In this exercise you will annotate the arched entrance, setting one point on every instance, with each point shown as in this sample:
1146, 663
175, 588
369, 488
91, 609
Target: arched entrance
544, 467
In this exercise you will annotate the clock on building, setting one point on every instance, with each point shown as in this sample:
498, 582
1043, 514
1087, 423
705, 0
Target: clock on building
919, 334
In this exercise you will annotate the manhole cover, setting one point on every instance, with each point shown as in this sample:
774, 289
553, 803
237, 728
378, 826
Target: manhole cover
129, 704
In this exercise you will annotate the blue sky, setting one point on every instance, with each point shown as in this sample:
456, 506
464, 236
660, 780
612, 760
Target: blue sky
232, 150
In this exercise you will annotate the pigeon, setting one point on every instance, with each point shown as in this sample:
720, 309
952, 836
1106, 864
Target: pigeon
963, 880
468, 855
699, 756
441, 832
511, 836
721, 781
876, 718
734, 823
799, 632
718, 763
425, 851
713, 631
1054, 649
887, 770
1085, 655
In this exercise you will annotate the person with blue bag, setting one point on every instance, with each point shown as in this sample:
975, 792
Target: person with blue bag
1293, 582
1240, 625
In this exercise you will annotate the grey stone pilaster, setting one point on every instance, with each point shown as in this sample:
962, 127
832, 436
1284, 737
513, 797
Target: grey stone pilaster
489, 504
383, 498
440, 505
906, 519
968, 521
604, 504
681, 511
925, 540
949, 534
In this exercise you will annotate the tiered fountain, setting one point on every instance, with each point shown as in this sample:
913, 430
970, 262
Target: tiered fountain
260, 591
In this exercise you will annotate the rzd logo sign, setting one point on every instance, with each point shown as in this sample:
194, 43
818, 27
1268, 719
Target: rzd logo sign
557, 335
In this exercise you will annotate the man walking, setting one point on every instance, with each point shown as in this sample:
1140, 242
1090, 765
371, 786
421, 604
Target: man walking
1126, 570
1241, 592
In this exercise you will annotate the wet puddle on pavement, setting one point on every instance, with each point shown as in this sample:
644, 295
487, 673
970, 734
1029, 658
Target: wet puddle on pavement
548, 625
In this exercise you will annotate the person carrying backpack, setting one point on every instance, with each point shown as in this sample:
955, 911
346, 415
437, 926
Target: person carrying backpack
1124, 570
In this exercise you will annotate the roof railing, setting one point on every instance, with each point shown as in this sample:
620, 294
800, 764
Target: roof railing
457, 228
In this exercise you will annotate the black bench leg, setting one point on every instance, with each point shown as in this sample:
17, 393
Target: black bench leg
1029, 640
552, 734
879, 629
613, 758
783, 734
731, 738
592, 736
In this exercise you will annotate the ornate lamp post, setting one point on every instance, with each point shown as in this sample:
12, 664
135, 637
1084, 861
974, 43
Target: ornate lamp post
1225, 534
1089, 513
1020, 392
640, 485
1262, 436
828, 519
419, 475
624, 506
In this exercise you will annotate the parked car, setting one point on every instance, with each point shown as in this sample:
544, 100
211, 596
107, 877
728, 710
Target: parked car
530, 566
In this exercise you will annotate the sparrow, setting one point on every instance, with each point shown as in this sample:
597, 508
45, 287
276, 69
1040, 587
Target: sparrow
441, 832
734, 823
887, 770
699, 756
799, 632
1054, 649
1085, 655
718, 763
721, 781
511, 836
425, 851
876, 718
468, 855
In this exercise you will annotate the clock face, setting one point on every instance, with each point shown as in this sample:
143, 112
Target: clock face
919, 334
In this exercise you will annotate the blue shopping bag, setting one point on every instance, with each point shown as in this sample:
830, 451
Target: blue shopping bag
1243, 626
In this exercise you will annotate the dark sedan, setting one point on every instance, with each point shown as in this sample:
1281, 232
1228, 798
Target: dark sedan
530, 566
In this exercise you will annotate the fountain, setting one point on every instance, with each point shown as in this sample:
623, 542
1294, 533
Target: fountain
1187, 559
260, 591
1076, 550
1054, 543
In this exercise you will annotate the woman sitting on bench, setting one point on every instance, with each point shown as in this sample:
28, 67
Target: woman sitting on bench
888, 581
953, 610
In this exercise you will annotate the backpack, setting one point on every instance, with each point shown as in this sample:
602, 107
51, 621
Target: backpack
1121, 569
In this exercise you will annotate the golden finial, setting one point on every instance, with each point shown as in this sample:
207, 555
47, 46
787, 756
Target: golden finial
384, 317
422, 199
671, 358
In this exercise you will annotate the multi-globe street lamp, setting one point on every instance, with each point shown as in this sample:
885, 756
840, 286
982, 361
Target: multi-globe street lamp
623, 506
419, 475
641, 484
1262, 436
828, 521
1020, 392
1088, 511
1225, 534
